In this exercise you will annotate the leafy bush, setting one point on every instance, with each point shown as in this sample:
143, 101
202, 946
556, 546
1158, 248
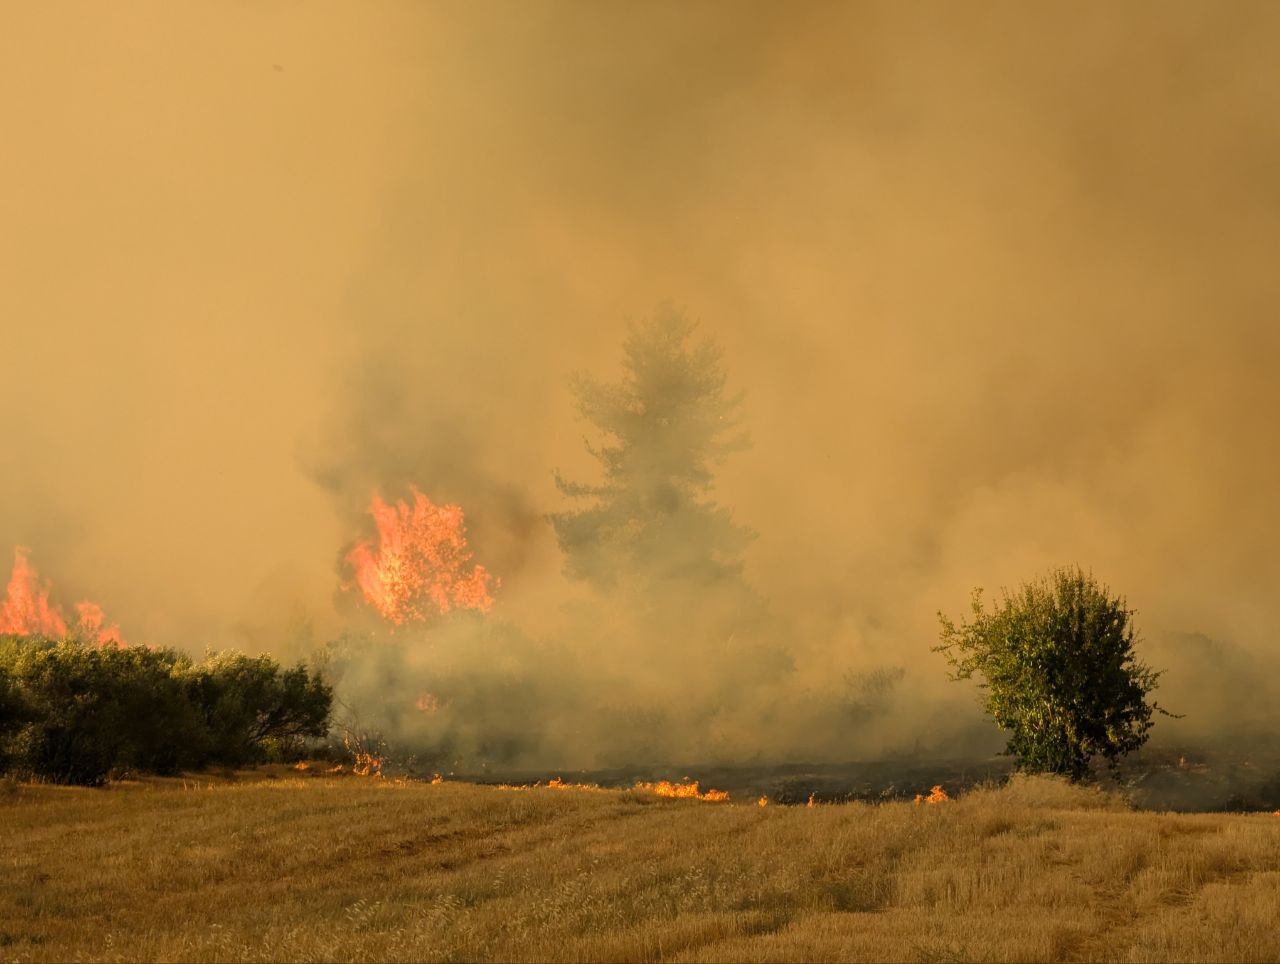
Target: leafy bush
248, 705
1059, 672
71, 712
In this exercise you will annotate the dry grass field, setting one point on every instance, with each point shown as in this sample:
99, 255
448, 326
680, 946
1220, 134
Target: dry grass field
300, 867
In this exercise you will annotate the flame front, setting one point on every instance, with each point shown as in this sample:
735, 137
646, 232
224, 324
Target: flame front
688, 790
936, 795
27, 611
421, 566
555, 783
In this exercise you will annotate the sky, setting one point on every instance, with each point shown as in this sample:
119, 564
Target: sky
996, 280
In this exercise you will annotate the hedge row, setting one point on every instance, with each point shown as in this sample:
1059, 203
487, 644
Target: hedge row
71, 712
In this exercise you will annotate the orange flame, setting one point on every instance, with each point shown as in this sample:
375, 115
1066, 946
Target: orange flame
366, 764
555, 783
420, 567
762, 802
91, 624
689, 790
810, 805
936, 795
27, 611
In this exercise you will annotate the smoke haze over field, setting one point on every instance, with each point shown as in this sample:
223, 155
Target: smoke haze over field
996, 280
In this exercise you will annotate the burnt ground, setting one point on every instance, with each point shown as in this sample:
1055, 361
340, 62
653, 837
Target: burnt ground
1159, 778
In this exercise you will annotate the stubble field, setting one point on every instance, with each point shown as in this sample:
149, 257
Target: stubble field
277, 866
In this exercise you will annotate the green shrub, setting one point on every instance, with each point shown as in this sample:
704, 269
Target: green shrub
250, 708
1059, 672
71, 712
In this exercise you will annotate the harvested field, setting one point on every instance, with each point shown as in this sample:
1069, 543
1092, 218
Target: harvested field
284, 866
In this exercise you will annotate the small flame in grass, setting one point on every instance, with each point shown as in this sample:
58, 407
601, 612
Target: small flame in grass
555, 783
936, 795
687, 790
303, 765
27, 611
762, 802
421, 565
366, 753
436, 779
810, 805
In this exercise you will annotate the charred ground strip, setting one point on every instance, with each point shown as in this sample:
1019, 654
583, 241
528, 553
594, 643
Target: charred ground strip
1185, 781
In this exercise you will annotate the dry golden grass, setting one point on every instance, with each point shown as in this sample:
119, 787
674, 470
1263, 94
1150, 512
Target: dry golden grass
314, 868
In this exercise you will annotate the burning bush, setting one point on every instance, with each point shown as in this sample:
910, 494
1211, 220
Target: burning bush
27, 610
73, 712
420, 567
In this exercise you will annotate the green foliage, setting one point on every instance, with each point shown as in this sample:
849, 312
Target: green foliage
72, 712
666, 424
249, 705
1058, 671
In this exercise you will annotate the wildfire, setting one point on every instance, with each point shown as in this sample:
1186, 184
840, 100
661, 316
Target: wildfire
810, 805
762, 802
367, 751
366, 765
27, 611
936, 795
665, 788
92, 620
555, 783
421, 566
427, 703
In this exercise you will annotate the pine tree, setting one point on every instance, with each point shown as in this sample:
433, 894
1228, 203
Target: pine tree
651, 524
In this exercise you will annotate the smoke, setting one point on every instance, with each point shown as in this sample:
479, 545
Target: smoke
995, 281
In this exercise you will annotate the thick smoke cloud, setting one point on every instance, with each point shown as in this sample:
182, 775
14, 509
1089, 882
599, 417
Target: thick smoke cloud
995, 281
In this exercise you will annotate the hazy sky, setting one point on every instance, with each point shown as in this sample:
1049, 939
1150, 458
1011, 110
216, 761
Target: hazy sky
996, 277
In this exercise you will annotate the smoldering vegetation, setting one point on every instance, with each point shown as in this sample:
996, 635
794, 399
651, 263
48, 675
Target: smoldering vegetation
996, 285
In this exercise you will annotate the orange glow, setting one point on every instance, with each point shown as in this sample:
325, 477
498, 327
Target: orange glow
304, 765
555, 783
92, 620
436, 779
421, 565
366, 765
762, 802
936, 795
27, 611
427, 703
810, 805
689, 790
